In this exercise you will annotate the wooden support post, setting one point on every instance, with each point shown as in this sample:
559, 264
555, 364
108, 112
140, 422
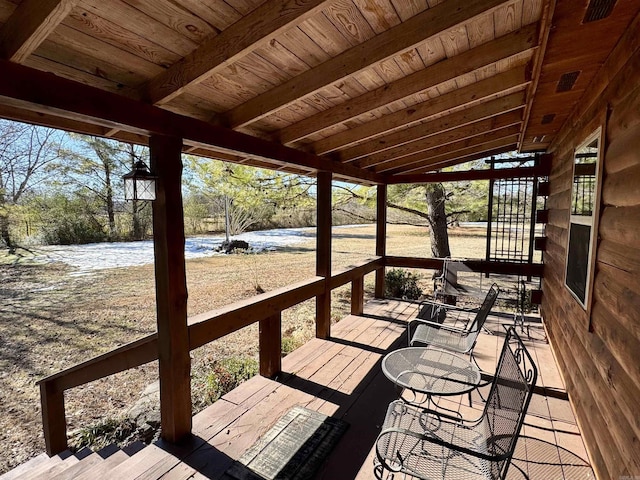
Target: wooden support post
271, 346
357, 296
53, 418
323, 254
171, 289
381, 237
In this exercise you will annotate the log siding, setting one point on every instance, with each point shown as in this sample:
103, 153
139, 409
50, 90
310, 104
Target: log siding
597, 348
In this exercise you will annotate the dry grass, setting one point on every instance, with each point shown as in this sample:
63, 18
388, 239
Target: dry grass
52, 320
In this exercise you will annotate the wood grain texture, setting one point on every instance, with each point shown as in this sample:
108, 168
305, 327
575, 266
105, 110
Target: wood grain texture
413, 83
248, 33
323, 253
381, 47
29, 25
381, 237
436, 126
171, 289
488, 89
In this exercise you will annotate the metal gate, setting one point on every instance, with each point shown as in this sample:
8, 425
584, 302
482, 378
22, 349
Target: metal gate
512, 216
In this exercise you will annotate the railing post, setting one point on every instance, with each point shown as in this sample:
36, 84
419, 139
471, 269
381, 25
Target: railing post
53, 418
271, 346
381, 237
323, 254
171, 289
357, 296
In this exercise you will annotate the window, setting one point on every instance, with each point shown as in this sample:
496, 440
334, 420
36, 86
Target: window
585, 200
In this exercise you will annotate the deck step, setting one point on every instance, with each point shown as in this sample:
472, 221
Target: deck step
25, 467
38, 471
74, 471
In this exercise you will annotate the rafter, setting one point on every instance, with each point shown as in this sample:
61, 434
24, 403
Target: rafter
483, 127
472, 152
484, 90
466, 175
247, 34
29, 26
390, 43
466, 62
425, 129
426, 155
38, 91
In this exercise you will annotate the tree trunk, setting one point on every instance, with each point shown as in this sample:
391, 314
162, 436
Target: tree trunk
5, 236
109, 201
435, 197
137, 229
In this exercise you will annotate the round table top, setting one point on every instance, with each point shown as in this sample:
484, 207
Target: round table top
431, 371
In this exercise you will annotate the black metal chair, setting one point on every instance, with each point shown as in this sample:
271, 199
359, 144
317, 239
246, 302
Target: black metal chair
431, 445
459, 340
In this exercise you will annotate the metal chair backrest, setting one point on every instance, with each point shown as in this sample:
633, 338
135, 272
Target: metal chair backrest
508, 400
478, 322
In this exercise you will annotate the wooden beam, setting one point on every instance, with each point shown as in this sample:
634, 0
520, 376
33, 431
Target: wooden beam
381, 237
482, 111
270, 345
545, 29
323, 254
448, 69
30, 25
445, 151
357, 296
249, 33
487, 89
483, 266
30, 89
171, 289
483, 150
390, 43
53, 418
483, 127
466, 175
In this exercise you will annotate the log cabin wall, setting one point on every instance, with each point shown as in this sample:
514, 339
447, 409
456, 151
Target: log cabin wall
597, 349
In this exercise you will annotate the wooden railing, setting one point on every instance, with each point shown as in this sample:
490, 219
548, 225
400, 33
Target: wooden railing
266, 309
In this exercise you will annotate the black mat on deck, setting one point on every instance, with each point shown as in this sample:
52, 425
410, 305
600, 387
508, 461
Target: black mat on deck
293, 449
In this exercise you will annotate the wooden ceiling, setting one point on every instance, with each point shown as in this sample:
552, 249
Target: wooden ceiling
369, 89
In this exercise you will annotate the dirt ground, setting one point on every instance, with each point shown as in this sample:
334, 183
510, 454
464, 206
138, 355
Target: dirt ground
51, 319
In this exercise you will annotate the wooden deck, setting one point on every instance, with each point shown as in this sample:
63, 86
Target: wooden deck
342, 377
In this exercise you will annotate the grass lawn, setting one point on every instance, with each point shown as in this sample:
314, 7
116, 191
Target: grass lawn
52, 319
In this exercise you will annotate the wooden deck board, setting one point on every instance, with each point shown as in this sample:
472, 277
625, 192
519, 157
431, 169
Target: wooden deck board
342, 377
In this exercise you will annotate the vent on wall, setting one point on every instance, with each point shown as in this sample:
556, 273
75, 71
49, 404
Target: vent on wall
598, 9
566, 82
548, 118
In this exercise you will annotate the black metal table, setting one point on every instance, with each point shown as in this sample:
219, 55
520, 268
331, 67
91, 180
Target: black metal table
430, 371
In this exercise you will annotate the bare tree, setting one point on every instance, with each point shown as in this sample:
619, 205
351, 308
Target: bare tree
28, 155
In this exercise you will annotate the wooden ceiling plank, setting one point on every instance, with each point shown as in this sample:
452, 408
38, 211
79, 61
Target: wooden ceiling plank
250, 32
466, 62
446, 150
460, 156
472, 94
30, 25
397, 154
442, 124
38, 91
392, 42
429, 176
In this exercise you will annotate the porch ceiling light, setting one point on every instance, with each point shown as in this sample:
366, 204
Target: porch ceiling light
139, 183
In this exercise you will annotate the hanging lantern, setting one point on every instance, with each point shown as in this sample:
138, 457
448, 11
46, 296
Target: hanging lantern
139, 183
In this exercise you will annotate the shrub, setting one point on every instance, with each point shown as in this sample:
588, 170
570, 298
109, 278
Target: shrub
226, 374
401, 283
289, 344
